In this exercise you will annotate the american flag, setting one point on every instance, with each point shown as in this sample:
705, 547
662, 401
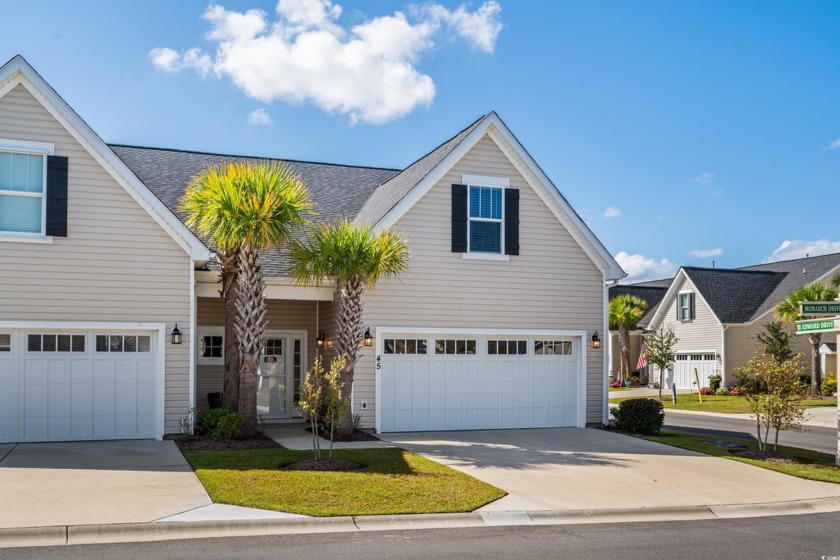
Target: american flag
642, 356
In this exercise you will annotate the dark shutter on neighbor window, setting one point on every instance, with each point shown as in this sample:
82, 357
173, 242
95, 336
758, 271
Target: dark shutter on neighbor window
679, 308
691, 306
459, 218
511, 221
56, 196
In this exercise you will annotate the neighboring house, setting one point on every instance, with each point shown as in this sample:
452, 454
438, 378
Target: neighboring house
716, 314
490, 327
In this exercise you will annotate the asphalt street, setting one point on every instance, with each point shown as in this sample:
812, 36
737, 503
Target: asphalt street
813, 437
806, 537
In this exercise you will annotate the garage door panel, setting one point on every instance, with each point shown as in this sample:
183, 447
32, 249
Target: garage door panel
34, 372
81, 427
103, 426
103, 399
103, 372
125, 399
125, 371
81, 372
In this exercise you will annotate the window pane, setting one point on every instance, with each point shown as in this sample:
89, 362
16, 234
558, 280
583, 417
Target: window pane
410, 346
485, 237
48, 343
461, 347
34, 343
130, 343
64, 343
78, 343
5, 171
491, 347
475, 202
20, 214
389, 345
538, 347
523, 347
440, 346
5, 342
401, 347
471, 347
421, 346
27, 173
115, 344
144, 344
101, 343
450, 346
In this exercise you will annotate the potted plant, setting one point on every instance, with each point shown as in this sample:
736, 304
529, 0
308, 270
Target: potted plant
714, 381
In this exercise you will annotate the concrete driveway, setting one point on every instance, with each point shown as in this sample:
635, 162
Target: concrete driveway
572, 468
84, 483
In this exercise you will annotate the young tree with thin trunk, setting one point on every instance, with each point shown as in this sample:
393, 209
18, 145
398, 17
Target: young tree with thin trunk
355, 257
247, 207
660, 351
788, 312
624, 311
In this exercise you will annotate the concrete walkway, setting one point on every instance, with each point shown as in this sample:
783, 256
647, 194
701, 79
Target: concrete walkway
89, 483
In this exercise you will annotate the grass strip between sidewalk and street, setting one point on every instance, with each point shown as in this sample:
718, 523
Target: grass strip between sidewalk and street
718, 403
391, 481
816, 465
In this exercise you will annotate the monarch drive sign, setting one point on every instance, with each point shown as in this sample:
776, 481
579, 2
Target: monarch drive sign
816, 308
818, 325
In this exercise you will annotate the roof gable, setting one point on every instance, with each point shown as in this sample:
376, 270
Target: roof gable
18, 72
393, 199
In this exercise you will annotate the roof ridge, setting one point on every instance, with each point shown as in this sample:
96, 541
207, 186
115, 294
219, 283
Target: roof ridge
218, 154
731, 270
808, 258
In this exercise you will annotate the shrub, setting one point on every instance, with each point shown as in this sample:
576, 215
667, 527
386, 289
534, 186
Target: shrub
615, 384
707, 391
722, 391
736, 392
829, 385
222, 423
635, 380
746, 382
639, 416
714, 382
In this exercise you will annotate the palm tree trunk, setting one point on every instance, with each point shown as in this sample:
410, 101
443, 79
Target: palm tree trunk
624, 344
250, 332
229, 263
816, 363
348, 339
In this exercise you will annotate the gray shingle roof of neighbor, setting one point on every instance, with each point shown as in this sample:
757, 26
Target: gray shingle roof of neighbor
741, 295
339, 191
651, 294
391, 192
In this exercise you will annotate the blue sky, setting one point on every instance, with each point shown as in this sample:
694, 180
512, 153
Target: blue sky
682, 132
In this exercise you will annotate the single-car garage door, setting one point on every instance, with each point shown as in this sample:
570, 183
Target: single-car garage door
463, 382
686, 364
63, 385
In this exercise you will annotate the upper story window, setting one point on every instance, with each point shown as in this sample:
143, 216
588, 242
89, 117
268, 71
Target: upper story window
685, 306
22, 190
485, 232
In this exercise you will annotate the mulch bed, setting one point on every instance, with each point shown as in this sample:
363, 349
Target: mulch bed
207, 443
771, 457
321, 465
357, 435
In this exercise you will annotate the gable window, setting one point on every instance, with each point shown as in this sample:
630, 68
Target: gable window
485, 232
485, 218
685, 306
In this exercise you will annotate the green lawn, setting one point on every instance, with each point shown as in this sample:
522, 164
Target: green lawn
820, 467
392, 481
716, 403
618, 389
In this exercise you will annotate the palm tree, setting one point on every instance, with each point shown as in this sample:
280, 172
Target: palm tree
242, 208
625, 311
788, 311
355, 257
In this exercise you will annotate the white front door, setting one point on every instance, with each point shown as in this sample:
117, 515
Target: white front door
274, 394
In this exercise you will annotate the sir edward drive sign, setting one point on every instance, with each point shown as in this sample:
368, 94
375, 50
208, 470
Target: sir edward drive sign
818, 325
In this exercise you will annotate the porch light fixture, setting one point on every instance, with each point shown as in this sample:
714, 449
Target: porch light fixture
596, 341
176, 335
321, 339
368, 338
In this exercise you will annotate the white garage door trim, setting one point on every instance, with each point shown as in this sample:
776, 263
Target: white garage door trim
160, 358
383, 332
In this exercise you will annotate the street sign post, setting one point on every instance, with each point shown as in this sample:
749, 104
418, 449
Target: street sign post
817, 308
818, 325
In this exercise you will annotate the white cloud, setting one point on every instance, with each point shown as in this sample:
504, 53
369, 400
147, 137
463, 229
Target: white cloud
832, 145
367, 72
260, 117
704, 178
168, 60
796, 249
612, 212
706, 253
640, 268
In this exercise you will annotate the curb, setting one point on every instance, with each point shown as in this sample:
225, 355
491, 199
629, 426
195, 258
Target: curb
177, 530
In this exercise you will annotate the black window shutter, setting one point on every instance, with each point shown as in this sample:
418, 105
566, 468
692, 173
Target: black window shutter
56, 196
511, 221
691, 306
679, 305
459, 218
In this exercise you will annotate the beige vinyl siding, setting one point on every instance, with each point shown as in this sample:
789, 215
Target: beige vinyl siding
701, 335
115, 265
635, 350
282, 315
742, 345
552, 284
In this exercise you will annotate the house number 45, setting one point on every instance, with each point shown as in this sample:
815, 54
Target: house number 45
379, 362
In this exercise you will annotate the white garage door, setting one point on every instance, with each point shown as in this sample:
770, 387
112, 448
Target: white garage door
62, 385
461, 382
684, 366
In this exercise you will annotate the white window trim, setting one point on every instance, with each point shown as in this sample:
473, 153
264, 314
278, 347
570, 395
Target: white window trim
210, 331
31, 148
679, 306
496, 183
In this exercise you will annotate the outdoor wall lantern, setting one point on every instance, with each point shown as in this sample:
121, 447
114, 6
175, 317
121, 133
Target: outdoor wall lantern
368, 337
176, 335
321, 339
596, 341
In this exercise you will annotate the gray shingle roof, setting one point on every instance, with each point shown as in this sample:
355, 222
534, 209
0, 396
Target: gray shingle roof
391, 192
338, 190
651, 294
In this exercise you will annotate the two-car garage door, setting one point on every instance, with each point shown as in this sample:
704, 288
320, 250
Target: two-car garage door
63, 384
471, 382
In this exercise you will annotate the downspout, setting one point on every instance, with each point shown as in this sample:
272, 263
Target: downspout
193, 341
722, 355
607, 338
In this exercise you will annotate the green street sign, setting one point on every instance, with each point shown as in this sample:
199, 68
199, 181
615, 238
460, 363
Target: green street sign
814, 308
818, 325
